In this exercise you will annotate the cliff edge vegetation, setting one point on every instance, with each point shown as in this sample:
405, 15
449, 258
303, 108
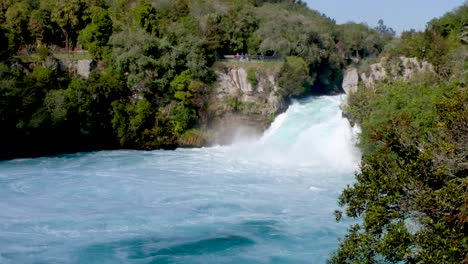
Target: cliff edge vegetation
412, 190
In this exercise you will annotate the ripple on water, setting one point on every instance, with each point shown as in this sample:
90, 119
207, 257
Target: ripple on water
270, 201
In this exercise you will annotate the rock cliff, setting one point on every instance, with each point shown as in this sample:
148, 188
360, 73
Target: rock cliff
80, 67
386, 69
243, 101
393, 69
400, 68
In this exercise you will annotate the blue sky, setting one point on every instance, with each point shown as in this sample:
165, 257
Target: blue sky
398, 14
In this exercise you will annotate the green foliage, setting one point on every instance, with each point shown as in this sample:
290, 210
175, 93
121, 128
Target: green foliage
145, 16
294, 77
94, 36
70, 16
411, 191
17, 17
438, 44
252, 77
130, 120
233, 103
44, 77
4, 47
192, 138
43, 52
55, 102
182, 117
361, 41
184, 86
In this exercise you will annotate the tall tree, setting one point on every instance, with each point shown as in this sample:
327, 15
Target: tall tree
71, 16
95, 36
17, 18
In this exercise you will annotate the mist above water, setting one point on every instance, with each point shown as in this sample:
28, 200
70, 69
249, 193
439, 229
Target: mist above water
264, 201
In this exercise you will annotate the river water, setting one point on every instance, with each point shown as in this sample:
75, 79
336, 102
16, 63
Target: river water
264, 201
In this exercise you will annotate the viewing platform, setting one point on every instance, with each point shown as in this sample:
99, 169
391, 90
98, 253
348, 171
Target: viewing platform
247, 57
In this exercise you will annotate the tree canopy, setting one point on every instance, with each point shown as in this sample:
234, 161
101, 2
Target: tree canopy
412, 191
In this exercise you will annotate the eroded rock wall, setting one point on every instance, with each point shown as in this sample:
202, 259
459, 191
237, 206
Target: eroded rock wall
80, 67
399, 68
387, 69
241, 109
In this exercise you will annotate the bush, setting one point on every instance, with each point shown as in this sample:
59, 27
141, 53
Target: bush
252, 77
294, 77
413, 139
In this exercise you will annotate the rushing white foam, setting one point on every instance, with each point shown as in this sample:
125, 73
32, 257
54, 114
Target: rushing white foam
310, 133
277, 123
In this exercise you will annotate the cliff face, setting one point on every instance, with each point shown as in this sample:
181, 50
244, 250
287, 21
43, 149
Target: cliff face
80, 67
243, 102
400, 68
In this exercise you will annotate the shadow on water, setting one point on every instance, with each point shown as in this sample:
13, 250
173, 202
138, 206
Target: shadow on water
243, 237
159, 251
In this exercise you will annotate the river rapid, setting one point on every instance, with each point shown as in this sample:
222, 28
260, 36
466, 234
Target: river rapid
270, 200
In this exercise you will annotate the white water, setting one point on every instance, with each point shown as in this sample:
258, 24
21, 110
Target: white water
269, 201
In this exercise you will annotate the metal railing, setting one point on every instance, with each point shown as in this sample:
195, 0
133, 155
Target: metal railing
246, 57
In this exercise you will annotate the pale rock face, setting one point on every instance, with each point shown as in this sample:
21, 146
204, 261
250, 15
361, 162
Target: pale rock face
412, 66
404, 69
350, 80
233, 83
81, 67
257, 104
377, 73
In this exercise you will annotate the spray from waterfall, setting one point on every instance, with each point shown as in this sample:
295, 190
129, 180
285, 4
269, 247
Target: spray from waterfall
311, 132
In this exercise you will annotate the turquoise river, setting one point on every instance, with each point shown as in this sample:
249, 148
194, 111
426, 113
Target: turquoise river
269, 200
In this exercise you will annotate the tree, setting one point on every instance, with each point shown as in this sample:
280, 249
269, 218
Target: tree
145, 16
184, 86
71, 17
361, 41
95, 36
294, 77
386, 32
37, 25
4, 47
182, 117
17, 18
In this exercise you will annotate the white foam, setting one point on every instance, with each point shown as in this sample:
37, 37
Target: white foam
310, 133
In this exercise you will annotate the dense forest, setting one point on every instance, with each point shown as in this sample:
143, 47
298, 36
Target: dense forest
412, 191
153, 65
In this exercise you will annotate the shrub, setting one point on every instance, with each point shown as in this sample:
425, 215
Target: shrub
294, 77
252, 77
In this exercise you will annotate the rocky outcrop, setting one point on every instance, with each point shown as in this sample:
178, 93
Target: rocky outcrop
350, 80
80, 67
243, 102
400, 68
397, 68
387, 69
